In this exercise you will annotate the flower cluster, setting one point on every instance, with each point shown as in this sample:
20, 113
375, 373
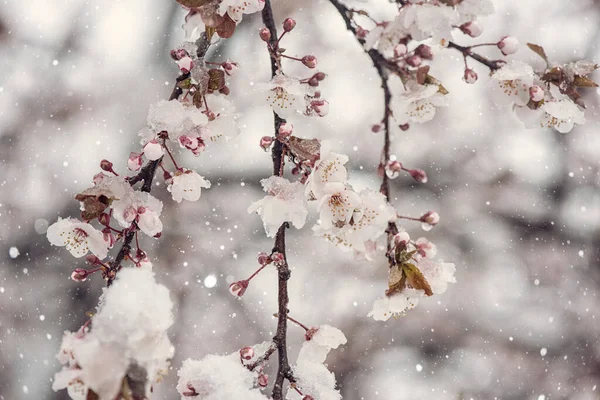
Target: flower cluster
128, 341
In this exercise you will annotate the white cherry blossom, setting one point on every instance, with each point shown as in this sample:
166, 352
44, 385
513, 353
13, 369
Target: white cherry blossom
392, 306
437, 273
338, 205
469, 10
142, 208
175, 118
187, 185
328, 168
236, 8
284, 202
511, 83
77, 237
285, 95
561, 115
415, 103
425, 20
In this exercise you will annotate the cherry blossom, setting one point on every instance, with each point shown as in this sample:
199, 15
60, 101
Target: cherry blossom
511, 83
338, 205
469, 10
284, 202
437, 273
285, 95
425, 20
77, 237
328, 168
392, 306
561, 115
141, 208
175, 118
415, 103
236, 8
187, 185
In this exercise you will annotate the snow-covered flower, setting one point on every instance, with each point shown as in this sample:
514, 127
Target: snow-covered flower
175, 118
217, 377
186, 184
327, 169
338, 205
392, 306
312, 376
469, 10
425, 20
236, 8
368, 223
225, 121
425, 248
561, 115
415, 103
511, 83
153, 150
284, 202
141, 207
437, 273
129, 331
285, 95
77, 237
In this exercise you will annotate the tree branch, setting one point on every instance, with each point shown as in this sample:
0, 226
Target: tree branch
467, 52
280, 339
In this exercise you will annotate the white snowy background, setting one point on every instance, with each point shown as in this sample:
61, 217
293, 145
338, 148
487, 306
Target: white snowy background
520, 209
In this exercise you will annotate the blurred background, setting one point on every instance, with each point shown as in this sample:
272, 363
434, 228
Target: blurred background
520, 208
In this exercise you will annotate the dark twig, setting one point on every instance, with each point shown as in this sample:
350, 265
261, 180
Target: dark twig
467, 52
280, 339
147, 174
260, 360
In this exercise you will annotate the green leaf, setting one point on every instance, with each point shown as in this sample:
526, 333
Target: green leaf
415, 278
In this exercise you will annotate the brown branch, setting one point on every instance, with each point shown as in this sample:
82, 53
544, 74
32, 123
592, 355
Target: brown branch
284, 370
148, 172
260, 360
467, 52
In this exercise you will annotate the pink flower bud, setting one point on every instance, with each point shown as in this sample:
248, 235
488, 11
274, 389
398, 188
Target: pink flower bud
310, 333
401, 239
313, 82
361, 32
153, 150
93, 260
321, 107
289, 24
508, 45
404, 127
265, 142
247, 353
238, 288
278, 258
79, 275
285, 130
430, 217
109, 237
134, 162
376, 128
472, 28
263, 258
393, 168
414, 60
424, 52
178, 54
536, 93
470, 76
265, 34
309, 61
400, 50
263, 380
418, 175
106, 165
185, 64
225, 90
104, 218
320, 76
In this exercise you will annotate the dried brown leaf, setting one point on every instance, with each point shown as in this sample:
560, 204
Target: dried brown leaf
539, 50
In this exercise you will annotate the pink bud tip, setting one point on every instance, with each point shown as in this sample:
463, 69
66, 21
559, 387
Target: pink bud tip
376, 128
418, 175
310, 333
79, 275
238, 288
278, 258
400, 50
106, 165
265, 142
424, 52
263, 258
134, 163
508, 45
319, 76
285, 131
321, 107
265, 34
247, 353
309, 61
536, 93
414, 60
401, 239
263, 380
393, 168
472, 28
431, 218
470, 76
404, 127
289, 24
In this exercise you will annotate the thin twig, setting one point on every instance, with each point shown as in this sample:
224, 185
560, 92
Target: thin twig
467, 52
284, 370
